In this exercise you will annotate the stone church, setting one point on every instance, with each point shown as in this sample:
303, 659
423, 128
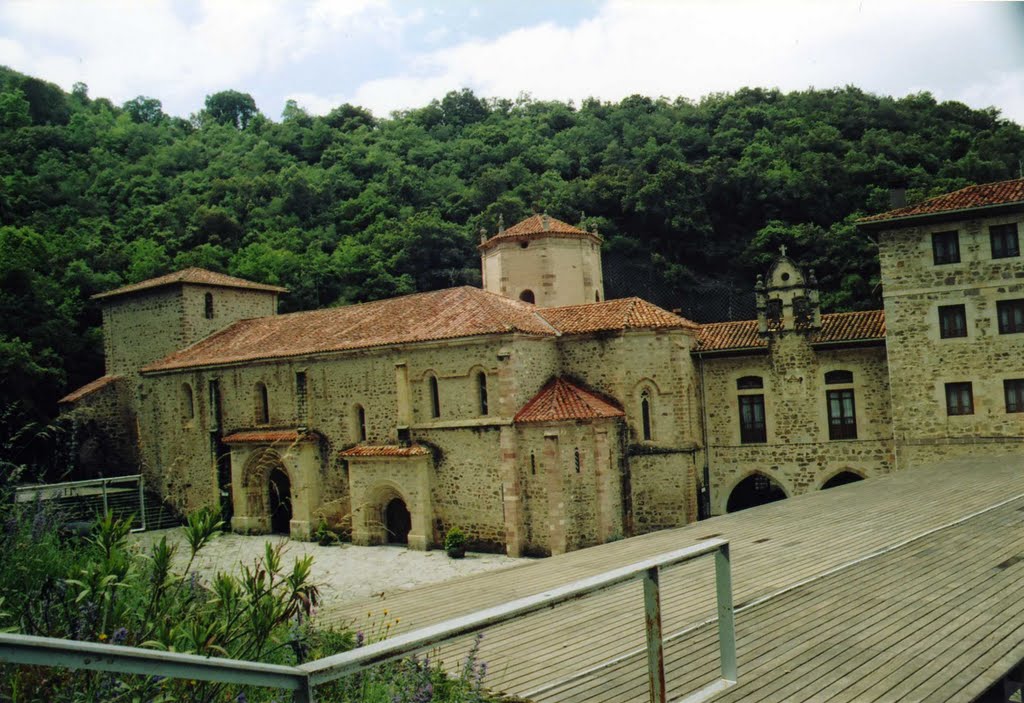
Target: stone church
538, 416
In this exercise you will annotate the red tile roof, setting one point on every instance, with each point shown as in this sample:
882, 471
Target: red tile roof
89, 388
444, 314
835, 328
721, 336
560, 399
265, 437
626, 313
193, 275
539, 226
371, 450
969, 198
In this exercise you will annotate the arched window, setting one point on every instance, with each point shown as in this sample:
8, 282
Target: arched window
435, 398
208, 306
481, 386
748, 382
838, 377
597, 296
262, 404
645, 414
576, 458
188, 408
359, 420
527, 296
533, 464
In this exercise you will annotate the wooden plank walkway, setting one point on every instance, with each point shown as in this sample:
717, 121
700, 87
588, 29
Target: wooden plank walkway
882, 590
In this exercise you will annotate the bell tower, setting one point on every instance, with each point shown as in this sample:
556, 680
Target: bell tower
788, 301
543, 261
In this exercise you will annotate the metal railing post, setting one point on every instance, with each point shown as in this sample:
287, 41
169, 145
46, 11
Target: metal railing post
142, 504
655, 646
103, 487
726, 623
304, 694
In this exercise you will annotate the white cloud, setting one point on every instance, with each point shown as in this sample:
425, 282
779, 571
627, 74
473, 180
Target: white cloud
122, 49
695, 48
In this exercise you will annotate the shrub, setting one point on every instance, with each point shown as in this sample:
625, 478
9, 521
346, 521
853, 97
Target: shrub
455, 543
101, 589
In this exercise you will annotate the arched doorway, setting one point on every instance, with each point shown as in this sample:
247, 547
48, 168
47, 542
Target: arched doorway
280, 502
397, 522
756, 489
841, 479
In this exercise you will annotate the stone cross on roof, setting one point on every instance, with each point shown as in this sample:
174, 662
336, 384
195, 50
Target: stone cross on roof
782, 249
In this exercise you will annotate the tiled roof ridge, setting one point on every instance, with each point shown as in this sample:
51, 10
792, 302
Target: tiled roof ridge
539, 224
614, 314
384, 450
563, 398
90, 388
450, 313
957, 200
743, 334
194, 275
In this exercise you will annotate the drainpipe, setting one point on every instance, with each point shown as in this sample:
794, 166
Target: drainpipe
705, 489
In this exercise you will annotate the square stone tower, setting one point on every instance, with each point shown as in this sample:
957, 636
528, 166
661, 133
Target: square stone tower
147, 321
953, 280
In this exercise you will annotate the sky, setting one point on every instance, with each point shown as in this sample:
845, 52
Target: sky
390, 55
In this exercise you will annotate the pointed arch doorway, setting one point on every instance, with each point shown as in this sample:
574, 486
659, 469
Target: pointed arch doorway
280, 502
397, 522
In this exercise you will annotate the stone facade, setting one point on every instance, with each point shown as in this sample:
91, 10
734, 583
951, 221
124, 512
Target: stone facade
924, 361
789, 378
545, 426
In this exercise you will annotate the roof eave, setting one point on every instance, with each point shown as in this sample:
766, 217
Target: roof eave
732, 351
941, 216
117, 293
526, 236
320, 355
860, 342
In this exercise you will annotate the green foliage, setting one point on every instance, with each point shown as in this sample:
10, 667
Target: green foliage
348, 207
455, 543
231, 107
101, 589
323, 535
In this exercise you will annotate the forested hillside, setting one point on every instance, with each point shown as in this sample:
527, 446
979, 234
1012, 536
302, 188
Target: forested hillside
691, 196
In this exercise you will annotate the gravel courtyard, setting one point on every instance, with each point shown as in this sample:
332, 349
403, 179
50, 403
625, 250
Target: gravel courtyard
344, 573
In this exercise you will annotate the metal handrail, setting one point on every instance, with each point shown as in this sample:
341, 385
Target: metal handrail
44, 651
68, 489
64, 484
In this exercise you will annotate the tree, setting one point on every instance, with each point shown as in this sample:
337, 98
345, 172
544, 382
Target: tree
231, 107
143, 109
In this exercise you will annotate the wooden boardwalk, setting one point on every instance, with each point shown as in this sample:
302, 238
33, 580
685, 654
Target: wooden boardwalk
903, 588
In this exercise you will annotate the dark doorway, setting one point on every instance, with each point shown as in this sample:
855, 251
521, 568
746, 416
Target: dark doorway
754, 490
397, 521
841, 479
280, 502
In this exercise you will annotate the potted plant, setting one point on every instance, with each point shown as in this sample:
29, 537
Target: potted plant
455, 543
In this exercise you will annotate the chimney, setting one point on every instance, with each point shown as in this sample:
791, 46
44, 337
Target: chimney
897, 196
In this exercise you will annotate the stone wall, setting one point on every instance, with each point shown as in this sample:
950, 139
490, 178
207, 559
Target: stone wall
466, 485
557, 270
104, 431
798, 453
921, 363
142, 327
571, 479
